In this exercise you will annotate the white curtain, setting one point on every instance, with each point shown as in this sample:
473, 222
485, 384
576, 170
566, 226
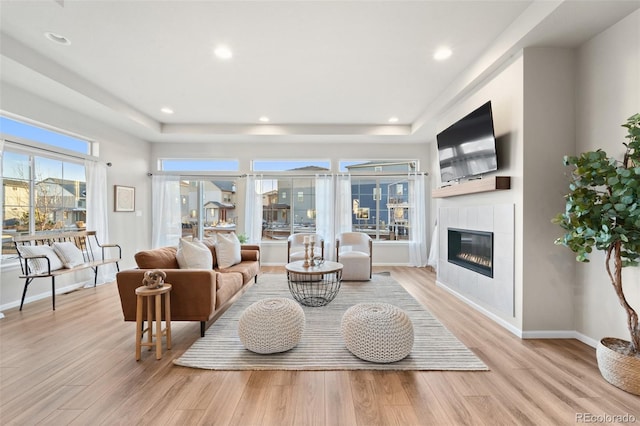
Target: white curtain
417, 219
325, 213
433, 251
344, 205
166, 220
253, 209
98, 214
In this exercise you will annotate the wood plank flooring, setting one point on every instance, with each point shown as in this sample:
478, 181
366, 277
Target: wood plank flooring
77, 366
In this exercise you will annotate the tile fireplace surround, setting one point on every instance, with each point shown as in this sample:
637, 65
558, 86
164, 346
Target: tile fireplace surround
495, 293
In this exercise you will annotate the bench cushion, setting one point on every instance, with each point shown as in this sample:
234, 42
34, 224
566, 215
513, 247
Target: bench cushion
69, 254
39, 266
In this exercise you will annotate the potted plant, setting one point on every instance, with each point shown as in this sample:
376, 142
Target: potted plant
603, 212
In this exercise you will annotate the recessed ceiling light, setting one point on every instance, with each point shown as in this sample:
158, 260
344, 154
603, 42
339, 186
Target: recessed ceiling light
393, 120
223, 52
57, 38
167, 110
264, 119
442, 53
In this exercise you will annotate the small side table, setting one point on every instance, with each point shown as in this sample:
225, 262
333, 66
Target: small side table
153, 295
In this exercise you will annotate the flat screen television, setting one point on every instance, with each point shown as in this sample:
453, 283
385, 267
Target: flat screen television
468, 147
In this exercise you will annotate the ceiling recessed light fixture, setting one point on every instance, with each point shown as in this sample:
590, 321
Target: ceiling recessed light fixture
264, 119
393, 120
57, 38
223, 52
167, 110
442, 53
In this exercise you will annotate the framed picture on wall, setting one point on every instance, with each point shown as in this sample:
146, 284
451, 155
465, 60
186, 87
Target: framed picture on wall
124, 198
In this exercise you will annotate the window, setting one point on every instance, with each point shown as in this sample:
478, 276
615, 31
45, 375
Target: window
208, 206
288, 207
380, 197
380, 207
291, 166
192, 165
44, 136
40, 194
43, 190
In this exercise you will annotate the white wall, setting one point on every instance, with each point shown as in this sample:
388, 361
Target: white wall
129, 157
505, 91
608, 92
549, 134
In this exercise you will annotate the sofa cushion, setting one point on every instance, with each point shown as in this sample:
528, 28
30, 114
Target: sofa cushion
248, 270
193, 255
228, 250
160, 258
39, 266
227, 286
69, 254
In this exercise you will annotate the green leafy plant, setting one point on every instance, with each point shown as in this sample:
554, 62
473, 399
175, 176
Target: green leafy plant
243, 238
603, 212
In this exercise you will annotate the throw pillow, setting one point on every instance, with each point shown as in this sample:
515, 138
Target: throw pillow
39, 266
69, 254
228, 250
160, 258
194, 255
211, 243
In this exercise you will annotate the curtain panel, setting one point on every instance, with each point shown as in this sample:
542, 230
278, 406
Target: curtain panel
166, 217
98, 211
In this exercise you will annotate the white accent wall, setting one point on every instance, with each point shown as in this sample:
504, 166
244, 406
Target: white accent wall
608, 92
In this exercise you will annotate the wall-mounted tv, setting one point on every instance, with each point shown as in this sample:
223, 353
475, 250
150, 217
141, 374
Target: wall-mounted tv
468, 147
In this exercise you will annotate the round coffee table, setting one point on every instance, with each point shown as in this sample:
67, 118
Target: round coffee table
314, 285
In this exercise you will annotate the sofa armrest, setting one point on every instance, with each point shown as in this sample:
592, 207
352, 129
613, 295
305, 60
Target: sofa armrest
250, 255
193, 293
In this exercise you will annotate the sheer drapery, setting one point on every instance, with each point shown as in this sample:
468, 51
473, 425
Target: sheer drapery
97, 217
344, 218
417, 219
325, 213
166, 220
253, 209
433, 251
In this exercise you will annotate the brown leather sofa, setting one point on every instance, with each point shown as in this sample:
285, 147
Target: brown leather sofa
196, 294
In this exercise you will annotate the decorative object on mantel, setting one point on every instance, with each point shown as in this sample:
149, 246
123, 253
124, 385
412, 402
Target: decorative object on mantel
602, 211
487, 184
154, 279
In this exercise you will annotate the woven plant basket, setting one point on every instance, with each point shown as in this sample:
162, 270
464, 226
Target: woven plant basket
621, 370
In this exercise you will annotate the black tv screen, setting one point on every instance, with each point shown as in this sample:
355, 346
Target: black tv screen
468, 147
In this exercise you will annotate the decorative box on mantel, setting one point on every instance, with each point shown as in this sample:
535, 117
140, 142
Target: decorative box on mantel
491, 183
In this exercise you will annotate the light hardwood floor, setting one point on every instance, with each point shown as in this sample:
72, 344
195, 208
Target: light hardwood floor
77, 366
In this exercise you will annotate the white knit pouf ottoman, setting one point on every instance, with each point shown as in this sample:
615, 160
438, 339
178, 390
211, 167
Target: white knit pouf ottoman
271, 325
377, 332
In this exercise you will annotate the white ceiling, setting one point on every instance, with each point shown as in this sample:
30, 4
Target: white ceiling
320, 70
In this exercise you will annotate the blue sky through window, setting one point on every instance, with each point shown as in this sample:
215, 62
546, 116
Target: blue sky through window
38, 134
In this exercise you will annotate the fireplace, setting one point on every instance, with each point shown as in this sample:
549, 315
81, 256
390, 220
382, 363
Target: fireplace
471, 249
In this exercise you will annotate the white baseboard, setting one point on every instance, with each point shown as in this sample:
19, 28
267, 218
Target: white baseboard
534, 334
513, 329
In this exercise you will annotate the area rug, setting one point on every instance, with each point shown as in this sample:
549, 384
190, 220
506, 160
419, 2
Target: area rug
321, 347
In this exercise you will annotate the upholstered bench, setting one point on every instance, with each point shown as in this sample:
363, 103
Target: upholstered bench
271, 325
377, 332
